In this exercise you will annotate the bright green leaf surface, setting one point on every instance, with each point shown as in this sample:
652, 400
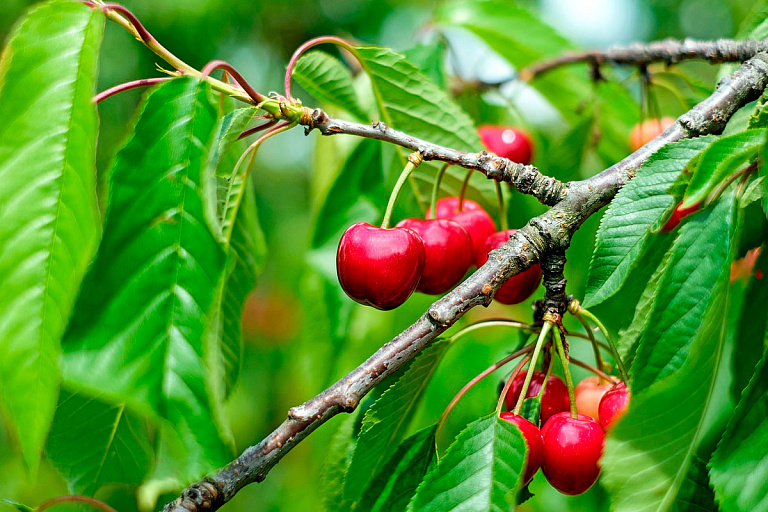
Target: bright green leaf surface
696, 494
146, 305
49, 220
328, 80
633, 214
481, 471
337, 462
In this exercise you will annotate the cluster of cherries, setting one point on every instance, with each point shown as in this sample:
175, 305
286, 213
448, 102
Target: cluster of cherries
382, 267
567, 449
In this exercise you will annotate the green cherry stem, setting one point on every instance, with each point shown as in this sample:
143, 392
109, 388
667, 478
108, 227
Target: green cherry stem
532, 367
414, 160
502, 207
593, 340
463, 191
436, 189
611, 344
566, 371
508, 385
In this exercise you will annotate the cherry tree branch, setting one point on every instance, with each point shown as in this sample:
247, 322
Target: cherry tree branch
670, 51
549, 233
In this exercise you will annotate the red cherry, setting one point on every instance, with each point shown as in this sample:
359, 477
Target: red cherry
645, 132
588, 394
472, 217
379, 267
507, 142
532, 436
572, 447
613, 405
554, 400
448, 253
519, 287
678, 215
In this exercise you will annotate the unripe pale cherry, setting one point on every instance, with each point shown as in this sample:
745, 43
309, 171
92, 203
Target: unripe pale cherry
554, 400
518, 287
532, 436
644, 132
508, 142
572, 449
379, 267
447, 251
471, 216
613, 405
588, 394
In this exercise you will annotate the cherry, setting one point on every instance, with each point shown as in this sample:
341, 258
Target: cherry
532, 436
678, 215
554, 400
572, 447
379, 267
588, 394
448, 253
519, 287
645, 132
613, 405
472, 217
507, 142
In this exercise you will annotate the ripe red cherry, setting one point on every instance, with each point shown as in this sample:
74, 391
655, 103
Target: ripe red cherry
572, 447
678, 215
448, 253
519, 287
507, 142
532, 436
645, 132
588, 394
472, 217
613, 405
554, 400
379, 267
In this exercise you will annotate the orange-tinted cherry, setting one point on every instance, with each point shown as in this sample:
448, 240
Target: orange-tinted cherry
572, 448
613, 405
519, 287
554, 400
645, 132
532, 436
507, 142
379, 267
472, 217
588, 394
447, 250
678, 215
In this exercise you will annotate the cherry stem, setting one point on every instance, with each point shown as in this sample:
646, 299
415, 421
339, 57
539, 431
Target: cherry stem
595, 347
502, 207
242, 82
74, 499
600, 373
718, 190
127, 86
306, 46
414, 160
463, 191
469, 385
508, 384
503, 322
436, 188
528, 376
566, 371
611, 344
256, 129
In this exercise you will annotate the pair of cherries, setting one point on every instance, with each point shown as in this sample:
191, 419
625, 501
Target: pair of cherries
566, 449
382, 267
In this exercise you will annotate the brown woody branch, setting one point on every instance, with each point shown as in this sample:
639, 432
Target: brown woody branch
669, 51
549, 233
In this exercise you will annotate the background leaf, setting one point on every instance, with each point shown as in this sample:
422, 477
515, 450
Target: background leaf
49, 220
328, 80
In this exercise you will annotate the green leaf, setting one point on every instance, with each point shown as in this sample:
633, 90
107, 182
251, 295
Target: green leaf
739, 466
387, 420
633, 215
328, 80
697, 272
720, 160
696, 494
396, 482
49, 219
336, 464
649, 451
147, 304
117, 448
481, 471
